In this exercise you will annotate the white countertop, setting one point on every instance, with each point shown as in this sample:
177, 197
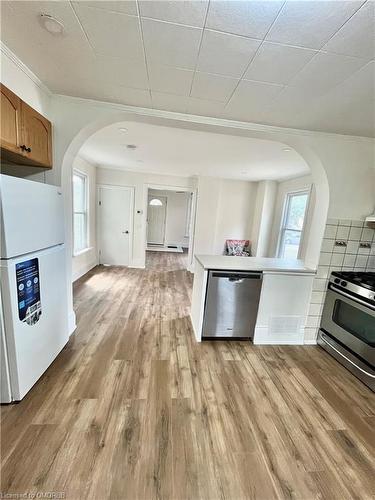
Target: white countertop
266, 264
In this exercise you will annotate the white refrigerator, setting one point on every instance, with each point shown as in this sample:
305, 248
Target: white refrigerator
34, 311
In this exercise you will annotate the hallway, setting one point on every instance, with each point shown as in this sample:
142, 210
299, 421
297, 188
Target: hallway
148, 413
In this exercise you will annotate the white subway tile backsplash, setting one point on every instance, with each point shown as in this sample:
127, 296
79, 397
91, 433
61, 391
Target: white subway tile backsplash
349, 260
336, 258
327, 245
345, 222
319, 285
330, 232
323, 272
332, 222
357, 223
312, 321
361, 261
315, 309
367, 234
325, 259
355, 233
317, 297
342, 233
311, 334
352, 247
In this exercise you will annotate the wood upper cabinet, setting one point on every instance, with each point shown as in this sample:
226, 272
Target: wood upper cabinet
10, 120
25, 135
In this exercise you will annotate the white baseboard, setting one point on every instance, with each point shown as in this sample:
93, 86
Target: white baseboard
263, 337
310, 342
81, 271
72, 325
197, 338
137, 266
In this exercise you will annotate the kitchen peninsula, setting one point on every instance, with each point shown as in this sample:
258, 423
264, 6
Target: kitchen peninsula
284, 295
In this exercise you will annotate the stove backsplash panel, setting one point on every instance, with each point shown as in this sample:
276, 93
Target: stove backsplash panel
348, 245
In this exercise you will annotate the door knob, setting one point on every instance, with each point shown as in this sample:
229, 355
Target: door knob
125, 232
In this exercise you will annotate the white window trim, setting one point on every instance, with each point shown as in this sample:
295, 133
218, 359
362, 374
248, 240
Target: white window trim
78, 172
283, 227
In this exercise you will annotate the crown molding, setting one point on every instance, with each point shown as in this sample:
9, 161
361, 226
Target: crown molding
211, 121
12, 56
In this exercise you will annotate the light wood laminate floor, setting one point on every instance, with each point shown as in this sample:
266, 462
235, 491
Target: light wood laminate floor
134, 408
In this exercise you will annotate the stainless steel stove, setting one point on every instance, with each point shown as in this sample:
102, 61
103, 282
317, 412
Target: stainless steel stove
347, 330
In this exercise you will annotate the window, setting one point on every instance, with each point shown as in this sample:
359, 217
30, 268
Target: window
80, 226
292, 225
155, 202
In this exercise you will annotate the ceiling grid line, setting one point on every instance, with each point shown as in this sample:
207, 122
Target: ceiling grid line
199, 48
81, 26
256, 52
144, 50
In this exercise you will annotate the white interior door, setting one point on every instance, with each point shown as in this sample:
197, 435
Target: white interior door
156, 214
115, 225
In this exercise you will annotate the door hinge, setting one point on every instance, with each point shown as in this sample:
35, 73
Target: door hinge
100, 203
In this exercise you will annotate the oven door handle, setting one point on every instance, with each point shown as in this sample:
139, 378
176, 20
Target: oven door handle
354, 299
324, 337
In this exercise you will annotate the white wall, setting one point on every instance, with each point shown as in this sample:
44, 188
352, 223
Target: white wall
263, 218
224, 211
297, 184
176, 216
140, 182
86, 260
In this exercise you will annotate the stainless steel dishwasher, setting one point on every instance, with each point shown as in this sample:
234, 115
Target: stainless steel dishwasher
231, 306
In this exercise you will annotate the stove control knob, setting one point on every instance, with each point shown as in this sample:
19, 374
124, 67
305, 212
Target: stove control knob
337, 281
343, 283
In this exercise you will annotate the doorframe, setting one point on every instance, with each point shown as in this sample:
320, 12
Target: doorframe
165, 218
163, 187
131, 217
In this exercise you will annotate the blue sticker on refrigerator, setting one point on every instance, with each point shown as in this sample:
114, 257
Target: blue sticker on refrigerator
28, 291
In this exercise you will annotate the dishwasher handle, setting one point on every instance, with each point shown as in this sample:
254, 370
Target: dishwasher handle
234, 277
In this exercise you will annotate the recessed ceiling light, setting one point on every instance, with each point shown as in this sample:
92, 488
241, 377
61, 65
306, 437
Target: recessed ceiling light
51, 24
287, 149
131, 146
123, 129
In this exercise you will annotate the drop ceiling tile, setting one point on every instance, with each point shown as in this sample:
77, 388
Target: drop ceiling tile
169, 102
192, 13
118, 71
357, 36
225, 54
15, 31
325, 71
91, 89
251, 19
213, 87
310, 23
277, 63
110, 33
205, 107
250, 98
127, 7
170, 80
171, 44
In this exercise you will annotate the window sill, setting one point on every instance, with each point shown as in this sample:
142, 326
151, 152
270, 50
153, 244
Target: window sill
81, 252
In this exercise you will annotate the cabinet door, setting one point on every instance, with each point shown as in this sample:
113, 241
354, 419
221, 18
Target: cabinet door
10, 121
37, 136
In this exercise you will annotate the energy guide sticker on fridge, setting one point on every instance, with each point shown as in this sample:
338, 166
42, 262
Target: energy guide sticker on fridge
28, 291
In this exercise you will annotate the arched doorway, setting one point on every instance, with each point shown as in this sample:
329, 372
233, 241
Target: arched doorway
88, 117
